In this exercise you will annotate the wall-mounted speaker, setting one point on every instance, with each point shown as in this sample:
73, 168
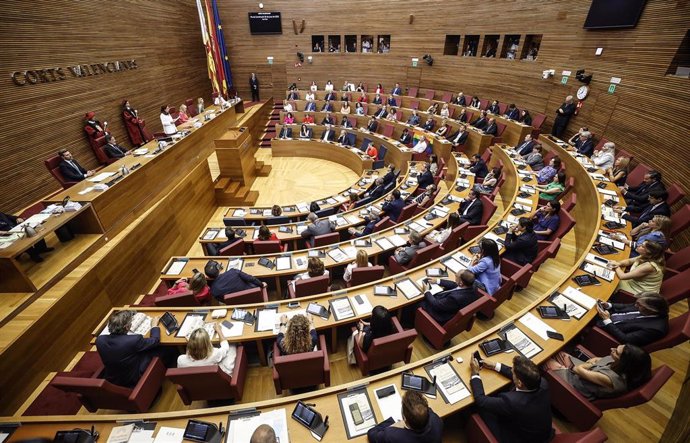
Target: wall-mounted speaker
428, 59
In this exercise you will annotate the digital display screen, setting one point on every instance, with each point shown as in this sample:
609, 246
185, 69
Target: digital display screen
265, 23
195, 430
412, 382
303, 414
614, 14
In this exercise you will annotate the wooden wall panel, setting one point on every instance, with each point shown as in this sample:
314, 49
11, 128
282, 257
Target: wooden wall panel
647, 115
162, 36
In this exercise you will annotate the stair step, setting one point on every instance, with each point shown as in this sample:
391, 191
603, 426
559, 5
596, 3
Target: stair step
242, 192
264, 171
222, 183
251, 198
232, 188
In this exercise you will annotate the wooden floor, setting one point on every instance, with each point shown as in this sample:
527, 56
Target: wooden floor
295, 179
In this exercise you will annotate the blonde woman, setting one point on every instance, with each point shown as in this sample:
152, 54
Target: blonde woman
618, 174
200, 352
658, 230
297, 335
200, 105
315, 268
443, 128
646, 271
445, 112
361, 261
183, 116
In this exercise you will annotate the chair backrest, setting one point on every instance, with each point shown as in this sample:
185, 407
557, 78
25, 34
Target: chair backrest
502, 107
53, 166
602, 142
680, 220
189, 102
235, 248
365, 142
538, 120
234, 221
569, 204
636, 175
500, 127
639, 395
483, 103
384, 223
424, 255
412, 92
299, 370
201, 383
546, 253
380, 163
95, 393
369, 274
624, 153
488, 209
453, 239
678, 332
267, 246
414, 104
351, 138
311, 286
325, 212
429, 94
567, 222
447, 97
185, 298
675, 194
680, 260
463, 320
675, 288
407, 212
486, 155
280, 220
326, 239
387, 130
363, 201
97, 148
385, 351
247, 296
469, 114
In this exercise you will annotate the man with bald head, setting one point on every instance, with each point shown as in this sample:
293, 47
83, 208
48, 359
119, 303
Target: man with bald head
563, 114
263, 434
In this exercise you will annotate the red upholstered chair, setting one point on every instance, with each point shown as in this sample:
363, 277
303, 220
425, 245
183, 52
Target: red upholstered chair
453, 240
407, 212
326, 239
185, 298
235, 248
468, 100
483, 103
429, 94
538, 120
569, 204
97, 393
502, 108
624, 153
382, 224
422, 256
602, 142
97, 145
412, 92
675, 194
387, 130
53, 165
680, 220
488, 210
309, 286
636, 175
268, 247
189, 102
301, 370
353, 121
439, 335
477, 431
677, 262
486, 155
414, 104
248, 296
567, 223
447, 97
509, 267
385, 351
569, 184
673, 289
504, 292
584, 413
210, 382
361, 276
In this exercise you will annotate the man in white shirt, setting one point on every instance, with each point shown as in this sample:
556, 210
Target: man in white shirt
287, 107
605, 157
421, 146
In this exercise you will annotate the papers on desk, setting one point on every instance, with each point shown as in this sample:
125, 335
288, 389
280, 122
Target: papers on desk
570, 307
283, 263
302, 207
235, 331
598, 271
397, 240
341, 309
361, 304
236, 263
599, 177
416, 227
100, 177
301, 228
350, 251
521, 342
352, 219
536, 325
338, 255
609, 241
608, 192
169, 435
499, 240
267, 212
301, 263
390, 405
192, 322
453, 265
239, 212
579, 297
176, 266
266, 319
240, 429
408, 288
140, 151
524, 201
211, 234
527, 188
361, 400
384, 243
450, 384
120, 434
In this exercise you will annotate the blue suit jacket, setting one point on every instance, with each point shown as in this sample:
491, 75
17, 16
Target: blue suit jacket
444, 305
126, 357
384, 433
393, 208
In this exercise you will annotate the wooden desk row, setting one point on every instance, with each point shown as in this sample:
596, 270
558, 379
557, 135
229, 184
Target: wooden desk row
151, 174
326, 399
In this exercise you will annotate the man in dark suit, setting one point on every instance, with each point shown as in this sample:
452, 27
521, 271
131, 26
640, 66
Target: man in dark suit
584, 145
392, 101
390, 175
426, 178
494, 108
310, 106
521, 243
293, 95
521, 415
124, 356
429, 124
460, 99
373, 124
231, 281
656, 206
393, 205
381, 112
254, 86
512, 112
368, 227
328, 134
377, 100
414, 118
215, 248
419, 424
563, 114
481, 122
316, 227
327, 107
640, 194
404, 254
491, 127
405, 137
345, 123
378, 190
330, 96
112, 149
328, 120
478, 166
9, 221
343, 139
456, 295
396, 90
285, 132
70, 169
460, 137
639, 323
471, 209
526, 146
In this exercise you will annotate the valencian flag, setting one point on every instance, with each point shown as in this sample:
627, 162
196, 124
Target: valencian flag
220, 40
213, 59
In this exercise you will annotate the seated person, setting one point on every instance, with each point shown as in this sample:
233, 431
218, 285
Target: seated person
445, 112
433, 164
605, 157
276, 211
285, 133
289, 119
393, 206
345, 108
316, 227
433, 109
422, 146
618, 174
426, 178
460, 99
656, 205
231, 281
126, 356
639, 323
198, 287
493, 107
414, 118
379, 325
475, 102
545, 175
368, 227
626, 368
526, 147
426, 196
442, 129
396, 90
215, 248
525, 118
584, 144
429, 124
345, 122
658, 230
353, 198
553, 189
112, 149
512, 113
372, 125
452, 222
521, 244
459, 137
9, 221
310, 106
265, 234
264, 434
419, 424
327, 106
640, 194
391, 101
297, 335
328, 120
405, 137
471, 209
646, 271
200, 351
491, 127
359, 109
362, 97
70, 168
371, 151
478, 166
572, 140
547, 220
392, 115
390, 175
361, 261
328, 134
287, 107
456, 295
378, 189
310, 95
486, 266
520, 415
308, 119
381, 112
315, 268
535, 159
305, 132
344, 139
377, 99
490, 181
482, 121
405, 254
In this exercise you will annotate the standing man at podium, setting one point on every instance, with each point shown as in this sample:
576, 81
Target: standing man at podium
254, 86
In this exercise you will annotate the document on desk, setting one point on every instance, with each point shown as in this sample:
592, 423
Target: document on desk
521, 342
352, 219
608, 241
361, 304
283, 263
301, 263
408, 288
169, 435
239, 213
176, 267
397, 240
450, 384
524, 201
579, 297
390, 405
338, 255
453, 265
341, 309
361, 400
211, 234
416, 227
607, 192
100, 177
266, 320
527, 188
236, 263
570, 307
384, 243
240, 429
235, 331
536, 325
289, 314
599, 271
302, 207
